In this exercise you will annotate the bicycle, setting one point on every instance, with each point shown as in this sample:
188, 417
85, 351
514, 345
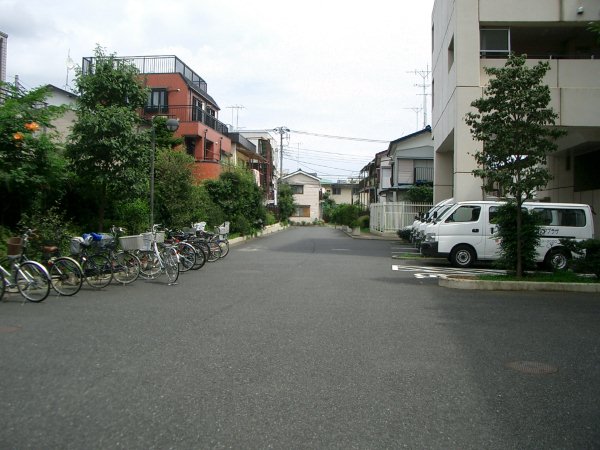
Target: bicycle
156, 261
30, 278
217, 241
125, 265
97, 268
66, 275
191, 257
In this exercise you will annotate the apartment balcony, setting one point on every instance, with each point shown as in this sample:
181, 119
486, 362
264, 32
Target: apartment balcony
187, 114
155, 64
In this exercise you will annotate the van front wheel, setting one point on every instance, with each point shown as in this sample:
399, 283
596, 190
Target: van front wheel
462, 256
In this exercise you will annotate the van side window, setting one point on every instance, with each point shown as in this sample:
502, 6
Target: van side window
465, 214
561, 217
493, 214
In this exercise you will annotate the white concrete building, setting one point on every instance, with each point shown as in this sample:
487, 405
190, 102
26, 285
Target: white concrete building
468, 35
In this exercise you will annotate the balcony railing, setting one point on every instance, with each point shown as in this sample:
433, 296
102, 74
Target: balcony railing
187, 113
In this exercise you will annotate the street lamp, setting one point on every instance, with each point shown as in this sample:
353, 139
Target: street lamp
172, 125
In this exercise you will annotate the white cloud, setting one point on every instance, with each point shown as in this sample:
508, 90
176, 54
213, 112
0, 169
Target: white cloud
337, 67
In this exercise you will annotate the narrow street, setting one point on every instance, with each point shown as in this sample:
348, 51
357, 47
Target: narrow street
306, 338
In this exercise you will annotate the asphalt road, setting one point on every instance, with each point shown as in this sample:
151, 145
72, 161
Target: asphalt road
302, 339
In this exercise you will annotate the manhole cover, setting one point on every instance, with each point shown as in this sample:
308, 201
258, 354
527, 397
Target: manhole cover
9, 329
532, 367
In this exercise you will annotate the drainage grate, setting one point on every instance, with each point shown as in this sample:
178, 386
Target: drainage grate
9, 329
532, 367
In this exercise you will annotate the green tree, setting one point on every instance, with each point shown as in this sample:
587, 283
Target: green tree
528, 238
174, 188
328, 206
240, 199
516, 126
420, 194
32, 165
107, 150
285, 201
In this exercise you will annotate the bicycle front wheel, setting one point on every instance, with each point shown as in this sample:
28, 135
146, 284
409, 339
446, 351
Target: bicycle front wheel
187, 256
171, 262
66, 276
200, 258
149, 264
33, 281
126, 267
98, 271
215, 251
224, 246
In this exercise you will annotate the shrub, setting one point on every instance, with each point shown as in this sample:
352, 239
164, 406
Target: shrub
589, 255
506, 219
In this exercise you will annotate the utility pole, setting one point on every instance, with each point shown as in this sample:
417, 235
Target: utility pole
281, 130
424, 74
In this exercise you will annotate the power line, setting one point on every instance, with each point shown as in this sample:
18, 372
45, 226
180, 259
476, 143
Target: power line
341, 137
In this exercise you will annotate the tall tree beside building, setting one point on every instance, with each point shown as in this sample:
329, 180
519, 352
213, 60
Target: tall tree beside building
107, 150
516, 126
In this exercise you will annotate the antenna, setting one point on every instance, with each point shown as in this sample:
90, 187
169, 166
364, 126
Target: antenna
70, 66
425, 75
237, 113
417, 110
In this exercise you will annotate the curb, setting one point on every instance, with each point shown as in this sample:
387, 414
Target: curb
267, 230
462, 282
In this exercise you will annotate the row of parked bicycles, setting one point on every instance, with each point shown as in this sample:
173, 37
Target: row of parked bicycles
99, 259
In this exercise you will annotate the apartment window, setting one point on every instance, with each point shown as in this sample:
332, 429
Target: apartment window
451, 54
297, 188
494, 41
158, 101
301, 211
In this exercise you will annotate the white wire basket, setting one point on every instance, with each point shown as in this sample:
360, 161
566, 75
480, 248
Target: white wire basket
148, 239
131, 242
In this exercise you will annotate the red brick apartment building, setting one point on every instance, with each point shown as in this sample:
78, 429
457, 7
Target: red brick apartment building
176, 91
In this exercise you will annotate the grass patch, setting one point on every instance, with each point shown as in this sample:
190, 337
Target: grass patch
556, 277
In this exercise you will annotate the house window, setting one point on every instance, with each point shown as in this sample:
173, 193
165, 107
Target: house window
297, 188
336, 190
158, 101
301, 211
495, 41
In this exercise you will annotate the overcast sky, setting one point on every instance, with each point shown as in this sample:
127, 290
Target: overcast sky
341, 68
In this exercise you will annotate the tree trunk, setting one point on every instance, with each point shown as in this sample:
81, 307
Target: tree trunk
519, 268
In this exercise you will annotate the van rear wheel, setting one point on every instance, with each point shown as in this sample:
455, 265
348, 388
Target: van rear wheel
557, 259
462, 256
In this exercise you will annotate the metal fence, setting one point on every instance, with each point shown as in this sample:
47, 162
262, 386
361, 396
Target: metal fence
391, 217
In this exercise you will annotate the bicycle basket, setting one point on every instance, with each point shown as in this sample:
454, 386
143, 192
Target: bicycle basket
14, 246
75, 246
131, 242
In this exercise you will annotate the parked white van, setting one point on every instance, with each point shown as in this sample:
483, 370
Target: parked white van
418, 227
466, 232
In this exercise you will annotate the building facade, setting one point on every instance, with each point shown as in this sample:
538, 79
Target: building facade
176, 91
409, 163
3, 47
306, 188
468, 35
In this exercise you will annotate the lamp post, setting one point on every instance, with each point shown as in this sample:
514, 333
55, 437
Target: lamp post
172, 125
